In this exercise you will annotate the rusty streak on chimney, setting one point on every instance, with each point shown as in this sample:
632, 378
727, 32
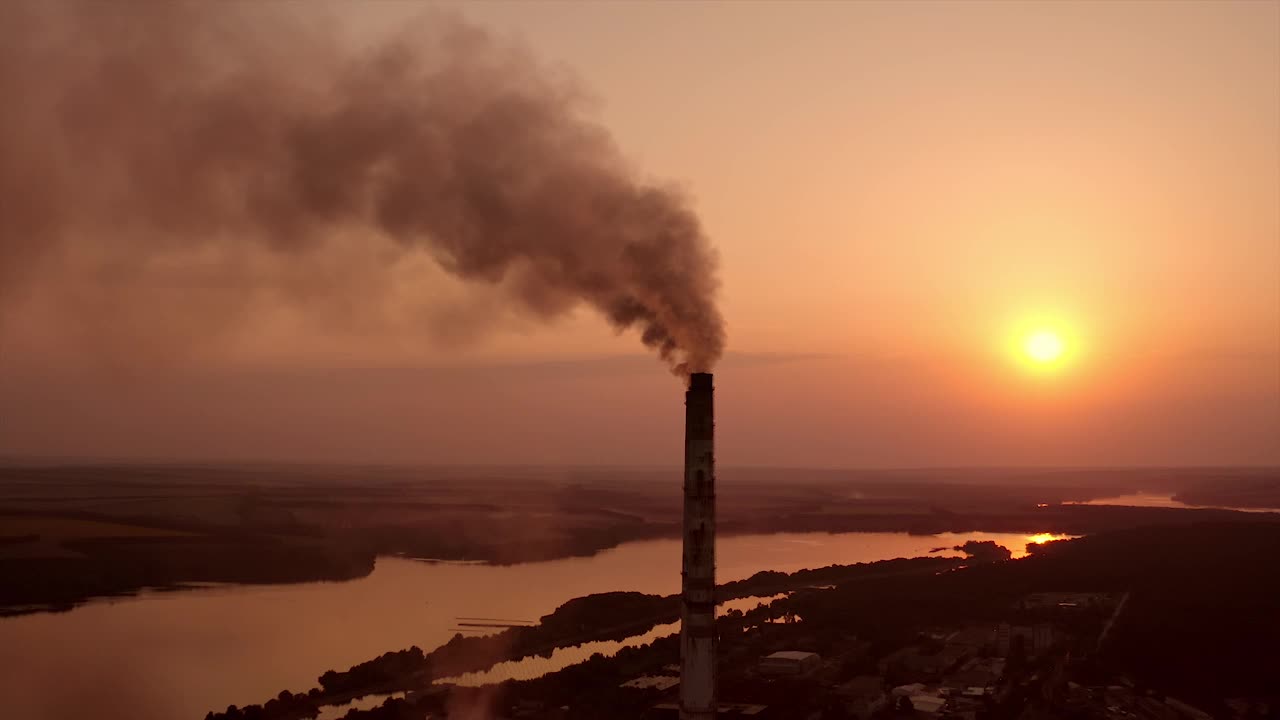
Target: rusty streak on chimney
698, 611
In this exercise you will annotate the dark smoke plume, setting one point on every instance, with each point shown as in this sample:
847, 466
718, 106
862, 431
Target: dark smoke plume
179, 144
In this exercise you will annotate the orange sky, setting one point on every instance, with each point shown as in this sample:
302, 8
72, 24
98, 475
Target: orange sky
896, 190
914, 174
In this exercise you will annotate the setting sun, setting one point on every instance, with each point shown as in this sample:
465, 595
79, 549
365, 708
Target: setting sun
1044, 346
1043, 340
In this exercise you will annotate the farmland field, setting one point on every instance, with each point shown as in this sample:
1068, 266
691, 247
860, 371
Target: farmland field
63, 529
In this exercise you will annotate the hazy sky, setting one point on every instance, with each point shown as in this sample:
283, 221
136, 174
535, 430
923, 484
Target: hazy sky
898, 192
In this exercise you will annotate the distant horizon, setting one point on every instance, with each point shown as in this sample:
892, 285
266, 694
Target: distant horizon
8, 460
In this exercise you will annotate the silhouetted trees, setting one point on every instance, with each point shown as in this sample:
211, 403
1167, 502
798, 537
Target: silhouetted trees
285, 706
386, 670
985, 551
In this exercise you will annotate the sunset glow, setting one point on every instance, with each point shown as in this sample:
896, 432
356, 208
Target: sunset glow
1044, 347
983, 256
1044, 342
521, 331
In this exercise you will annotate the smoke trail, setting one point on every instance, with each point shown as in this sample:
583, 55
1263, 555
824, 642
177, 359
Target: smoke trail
207, 146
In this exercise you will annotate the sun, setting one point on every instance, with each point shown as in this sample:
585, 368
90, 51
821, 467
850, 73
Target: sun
1044, 346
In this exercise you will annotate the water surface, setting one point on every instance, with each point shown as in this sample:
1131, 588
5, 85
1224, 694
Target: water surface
536, 666
176, 655
1165, 500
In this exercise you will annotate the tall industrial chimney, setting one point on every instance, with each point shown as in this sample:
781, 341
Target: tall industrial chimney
698, 612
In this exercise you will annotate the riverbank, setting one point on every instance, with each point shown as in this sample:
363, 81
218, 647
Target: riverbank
594, 618
941, 635
49, 570
209, 647
61, 561
69, 533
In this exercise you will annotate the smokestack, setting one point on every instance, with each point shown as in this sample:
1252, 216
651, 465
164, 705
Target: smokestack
698, 611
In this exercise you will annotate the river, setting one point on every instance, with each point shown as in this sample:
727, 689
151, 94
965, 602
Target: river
177, 655
1165, 500
535, 666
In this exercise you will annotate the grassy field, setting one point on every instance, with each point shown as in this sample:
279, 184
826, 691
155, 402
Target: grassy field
62, 529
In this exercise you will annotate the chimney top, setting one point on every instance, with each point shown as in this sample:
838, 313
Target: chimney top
700, 381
